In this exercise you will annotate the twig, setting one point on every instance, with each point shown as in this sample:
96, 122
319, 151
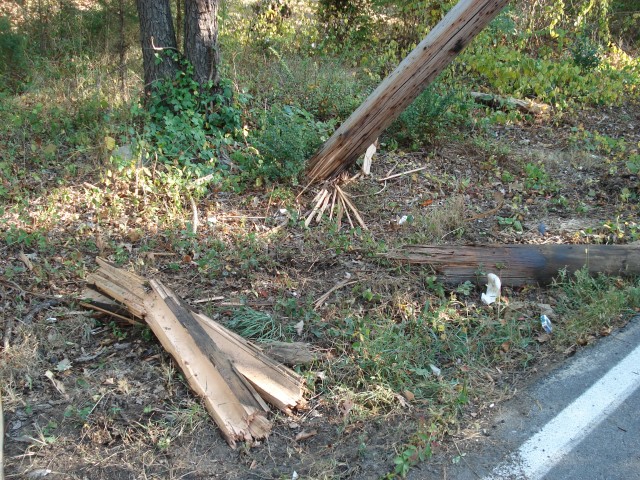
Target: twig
348, 203
206, 300
403, 173
130, 321
194, 222
333, 203
8, 330
345, 209
38, 308
318, 199
485, 214
324, 206
14, 285
318, 303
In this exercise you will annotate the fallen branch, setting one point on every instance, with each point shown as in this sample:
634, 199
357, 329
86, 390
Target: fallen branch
318, 303
497, 101
402, 174
28, 318
486, 214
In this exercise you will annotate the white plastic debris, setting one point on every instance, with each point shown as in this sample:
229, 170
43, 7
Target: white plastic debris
403, 219
493, 289
546, 323
299, 327
436, 371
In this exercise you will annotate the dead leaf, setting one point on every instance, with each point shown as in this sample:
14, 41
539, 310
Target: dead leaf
409, 395
134, 235
402, 401
345, 408
303, 435
100, 245
606, 331
505, 346
543, 337
57, 384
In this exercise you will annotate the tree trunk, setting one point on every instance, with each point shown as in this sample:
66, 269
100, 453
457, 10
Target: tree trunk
201, 39
402, 86
156, 35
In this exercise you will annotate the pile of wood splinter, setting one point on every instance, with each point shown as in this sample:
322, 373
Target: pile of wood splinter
235, 379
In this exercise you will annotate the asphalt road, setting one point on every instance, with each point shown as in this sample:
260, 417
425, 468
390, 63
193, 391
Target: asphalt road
581, 421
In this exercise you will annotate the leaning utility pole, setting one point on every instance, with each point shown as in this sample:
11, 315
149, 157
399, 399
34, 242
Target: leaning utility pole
396, 92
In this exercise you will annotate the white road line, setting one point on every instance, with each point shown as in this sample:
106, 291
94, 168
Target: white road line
540, 453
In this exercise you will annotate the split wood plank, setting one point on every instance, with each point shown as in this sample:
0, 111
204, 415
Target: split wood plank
396, 92
518, 265
228, 372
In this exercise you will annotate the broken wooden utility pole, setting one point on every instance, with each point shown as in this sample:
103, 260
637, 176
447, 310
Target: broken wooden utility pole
396, 92
518, 265
234, 378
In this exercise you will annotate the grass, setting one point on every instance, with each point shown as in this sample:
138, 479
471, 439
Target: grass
592, 306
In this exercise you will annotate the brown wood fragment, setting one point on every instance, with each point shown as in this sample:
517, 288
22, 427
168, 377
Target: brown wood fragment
520, 264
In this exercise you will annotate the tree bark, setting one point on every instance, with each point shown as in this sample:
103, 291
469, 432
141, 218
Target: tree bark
402, 86
156, 35
201, 39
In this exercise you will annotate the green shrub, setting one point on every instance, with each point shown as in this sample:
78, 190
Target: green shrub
433, 112
13, 65
188, 125
283, 141
586, 53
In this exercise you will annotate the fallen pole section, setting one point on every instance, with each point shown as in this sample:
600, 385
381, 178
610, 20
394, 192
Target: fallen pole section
518, 265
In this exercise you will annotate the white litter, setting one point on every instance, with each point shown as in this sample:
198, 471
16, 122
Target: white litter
493, 289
